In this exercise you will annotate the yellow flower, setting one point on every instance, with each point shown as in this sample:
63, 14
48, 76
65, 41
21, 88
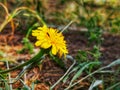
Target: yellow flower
50, 38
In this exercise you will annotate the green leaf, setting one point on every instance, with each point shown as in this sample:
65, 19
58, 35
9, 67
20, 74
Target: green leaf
74, 70
33, 86
25, 88
95, 84
2, 78
82, 56
1, 53
81, 70
6, 86
58, 61
114, 86
116, 62
27, 46
65, 78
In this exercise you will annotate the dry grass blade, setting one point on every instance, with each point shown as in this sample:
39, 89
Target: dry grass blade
16, 12
7, 15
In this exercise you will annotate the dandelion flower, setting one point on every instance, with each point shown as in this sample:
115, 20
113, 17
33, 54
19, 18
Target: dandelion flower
50, 38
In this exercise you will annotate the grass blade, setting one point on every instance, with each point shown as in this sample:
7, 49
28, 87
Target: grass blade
81, 70
116, 62
113, 86
94, 84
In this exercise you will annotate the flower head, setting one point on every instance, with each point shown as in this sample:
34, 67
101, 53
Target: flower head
50, 38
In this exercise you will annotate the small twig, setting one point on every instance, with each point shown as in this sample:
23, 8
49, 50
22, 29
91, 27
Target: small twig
25, 73
9, 76
67, 26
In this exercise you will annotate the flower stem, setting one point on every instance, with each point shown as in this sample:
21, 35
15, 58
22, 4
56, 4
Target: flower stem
34, 59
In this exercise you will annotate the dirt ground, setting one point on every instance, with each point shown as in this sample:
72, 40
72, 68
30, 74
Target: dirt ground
49, 72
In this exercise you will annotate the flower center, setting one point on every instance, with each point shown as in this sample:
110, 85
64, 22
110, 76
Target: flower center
53, 42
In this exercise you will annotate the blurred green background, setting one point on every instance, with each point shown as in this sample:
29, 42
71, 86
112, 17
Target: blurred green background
101, 13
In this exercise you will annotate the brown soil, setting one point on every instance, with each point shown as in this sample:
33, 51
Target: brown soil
49, 72
110, 47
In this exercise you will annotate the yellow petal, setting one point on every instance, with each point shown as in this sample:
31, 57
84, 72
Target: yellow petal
35, 33
47, 37
60, 54
54, 50
38, 43
45, 45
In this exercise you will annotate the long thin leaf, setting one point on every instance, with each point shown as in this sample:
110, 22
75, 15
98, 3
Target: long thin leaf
95, 84
113, 86
81, 70
7, 86
73, 71
116, 62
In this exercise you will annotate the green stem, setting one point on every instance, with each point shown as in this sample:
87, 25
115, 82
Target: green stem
34, 59
30, 29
